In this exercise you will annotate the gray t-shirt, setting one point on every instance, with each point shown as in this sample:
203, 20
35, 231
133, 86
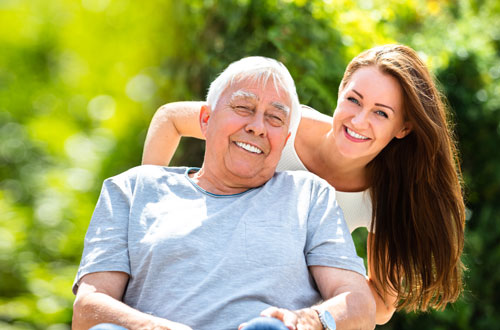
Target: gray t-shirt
212, 261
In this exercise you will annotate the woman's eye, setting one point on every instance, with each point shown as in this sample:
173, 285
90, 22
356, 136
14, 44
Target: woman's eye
382, 113
353, 100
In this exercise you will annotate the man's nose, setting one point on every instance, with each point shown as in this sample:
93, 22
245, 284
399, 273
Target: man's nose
256, 125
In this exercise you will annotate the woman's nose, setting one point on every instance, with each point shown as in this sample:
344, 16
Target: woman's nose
360, 119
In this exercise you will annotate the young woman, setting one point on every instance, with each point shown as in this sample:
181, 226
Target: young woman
390, 153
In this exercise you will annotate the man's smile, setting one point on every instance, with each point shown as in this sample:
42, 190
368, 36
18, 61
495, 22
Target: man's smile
249, 147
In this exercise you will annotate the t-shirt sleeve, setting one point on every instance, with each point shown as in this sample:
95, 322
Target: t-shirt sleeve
106, 243
329, 242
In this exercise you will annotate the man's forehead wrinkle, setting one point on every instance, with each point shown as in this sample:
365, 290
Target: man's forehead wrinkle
241, 93
249, 95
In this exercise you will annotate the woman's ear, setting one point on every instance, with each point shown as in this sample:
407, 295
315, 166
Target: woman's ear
205, 113
404, 131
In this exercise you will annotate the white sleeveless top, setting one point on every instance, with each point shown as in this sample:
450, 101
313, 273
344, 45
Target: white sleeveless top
357, 206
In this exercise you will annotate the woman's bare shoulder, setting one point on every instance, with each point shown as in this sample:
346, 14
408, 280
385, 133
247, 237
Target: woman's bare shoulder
314, 125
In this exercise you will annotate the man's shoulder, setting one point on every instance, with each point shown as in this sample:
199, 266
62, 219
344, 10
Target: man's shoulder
301, 179
147, 173
159, 171
299, 176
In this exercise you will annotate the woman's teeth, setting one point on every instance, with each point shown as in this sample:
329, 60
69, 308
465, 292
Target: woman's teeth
356, 135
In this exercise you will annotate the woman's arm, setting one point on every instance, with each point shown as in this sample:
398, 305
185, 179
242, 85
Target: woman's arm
385, 305
175, 120
312, 132
170, 122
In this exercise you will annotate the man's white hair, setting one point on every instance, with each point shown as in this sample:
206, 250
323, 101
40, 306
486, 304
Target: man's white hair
258, 69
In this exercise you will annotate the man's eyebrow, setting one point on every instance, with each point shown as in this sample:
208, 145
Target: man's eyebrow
377, 104
244, 94
281, 107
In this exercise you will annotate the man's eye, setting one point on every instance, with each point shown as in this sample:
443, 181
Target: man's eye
242, 109
353, 100
382, 113
276, 121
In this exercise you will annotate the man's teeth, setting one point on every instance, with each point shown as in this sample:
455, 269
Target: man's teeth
249, 147
356, 135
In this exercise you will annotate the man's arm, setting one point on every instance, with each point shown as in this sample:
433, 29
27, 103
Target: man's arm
170, 122
98, 300
347, 297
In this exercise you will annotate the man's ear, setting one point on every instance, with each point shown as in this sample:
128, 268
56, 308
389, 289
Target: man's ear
404, 131
205, 113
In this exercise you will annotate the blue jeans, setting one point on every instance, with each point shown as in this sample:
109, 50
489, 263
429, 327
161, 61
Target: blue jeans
258, 323
107, 326
265, 323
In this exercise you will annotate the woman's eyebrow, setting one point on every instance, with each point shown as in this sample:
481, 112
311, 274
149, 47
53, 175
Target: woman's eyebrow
385, 106
359, 94
377, 104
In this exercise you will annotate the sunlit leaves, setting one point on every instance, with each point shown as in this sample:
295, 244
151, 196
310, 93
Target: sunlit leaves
80, 80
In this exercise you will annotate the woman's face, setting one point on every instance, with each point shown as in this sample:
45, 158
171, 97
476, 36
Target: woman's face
369, 114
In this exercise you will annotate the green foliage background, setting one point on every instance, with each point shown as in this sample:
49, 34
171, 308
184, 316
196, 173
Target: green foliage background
80, 81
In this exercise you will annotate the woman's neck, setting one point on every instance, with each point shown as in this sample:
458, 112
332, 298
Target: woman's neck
345, 174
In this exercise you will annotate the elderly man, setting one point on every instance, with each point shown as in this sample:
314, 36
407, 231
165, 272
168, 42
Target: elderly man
211, 248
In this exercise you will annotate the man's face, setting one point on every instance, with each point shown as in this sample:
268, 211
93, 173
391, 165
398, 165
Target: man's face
246, 133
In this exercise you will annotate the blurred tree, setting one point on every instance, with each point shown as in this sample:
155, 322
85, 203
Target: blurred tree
80, 80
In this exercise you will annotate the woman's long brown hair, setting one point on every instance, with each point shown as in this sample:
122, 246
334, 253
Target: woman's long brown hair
416, 187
